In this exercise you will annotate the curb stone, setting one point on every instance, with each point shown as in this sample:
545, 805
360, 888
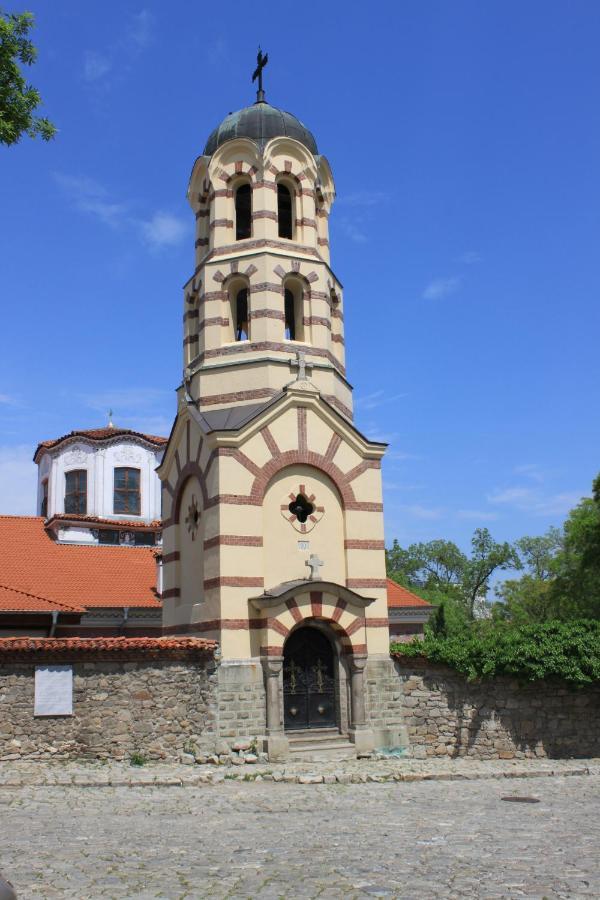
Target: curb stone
308, 778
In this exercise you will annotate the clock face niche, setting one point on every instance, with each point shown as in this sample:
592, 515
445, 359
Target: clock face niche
301, 509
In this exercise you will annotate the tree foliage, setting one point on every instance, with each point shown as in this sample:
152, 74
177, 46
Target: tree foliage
18, 100
441, 568
569, 651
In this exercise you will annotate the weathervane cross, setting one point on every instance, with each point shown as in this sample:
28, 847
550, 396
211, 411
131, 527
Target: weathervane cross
258, 73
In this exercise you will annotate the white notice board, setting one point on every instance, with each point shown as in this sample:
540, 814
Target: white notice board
53, 691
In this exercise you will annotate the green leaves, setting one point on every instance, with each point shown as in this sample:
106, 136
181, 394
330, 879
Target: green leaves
569, 651
18, 100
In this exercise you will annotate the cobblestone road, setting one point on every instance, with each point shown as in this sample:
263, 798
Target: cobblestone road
247, 840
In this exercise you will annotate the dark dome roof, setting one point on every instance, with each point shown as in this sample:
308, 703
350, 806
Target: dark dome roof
260, 122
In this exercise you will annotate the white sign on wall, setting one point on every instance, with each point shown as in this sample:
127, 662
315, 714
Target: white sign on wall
53, 691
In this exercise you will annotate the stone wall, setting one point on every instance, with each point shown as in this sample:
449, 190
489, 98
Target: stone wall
445, 715
241, 706
119, 708
160, 697
384, 713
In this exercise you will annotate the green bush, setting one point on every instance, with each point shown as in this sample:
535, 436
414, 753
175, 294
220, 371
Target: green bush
569, 651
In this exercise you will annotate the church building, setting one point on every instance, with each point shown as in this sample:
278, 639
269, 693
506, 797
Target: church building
273, 540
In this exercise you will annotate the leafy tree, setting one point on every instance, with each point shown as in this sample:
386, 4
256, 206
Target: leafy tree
487, 557
576, 589
531, 597
441, 568
18, 100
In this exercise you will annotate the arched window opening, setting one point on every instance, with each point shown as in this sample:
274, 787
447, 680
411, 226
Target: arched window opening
127, 491
284, 211
290, 315
76, 492
243, 212
301, 508
293, 300
241, 315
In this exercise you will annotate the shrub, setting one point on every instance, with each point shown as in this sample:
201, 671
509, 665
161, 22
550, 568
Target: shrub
569, 651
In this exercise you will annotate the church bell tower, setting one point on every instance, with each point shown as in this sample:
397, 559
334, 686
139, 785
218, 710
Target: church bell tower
273, 520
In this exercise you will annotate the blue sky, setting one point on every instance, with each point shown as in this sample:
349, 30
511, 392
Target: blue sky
464, 138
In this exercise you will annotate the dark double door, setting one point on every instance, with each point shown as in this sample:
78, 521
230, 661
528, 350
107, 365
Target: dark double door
308, 681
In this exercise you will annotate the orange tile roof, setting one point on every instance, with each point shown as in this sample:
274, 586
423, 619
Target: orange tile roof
100, 434
116, 523
399, 596
76, 647
13, 600
97, 575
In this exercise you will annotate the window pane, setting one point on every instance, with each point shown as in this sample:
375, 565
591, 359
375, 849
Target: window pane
120, 478
144, 538
284, 211
120, 501
290, 317
243, 212
134, 478
108, 536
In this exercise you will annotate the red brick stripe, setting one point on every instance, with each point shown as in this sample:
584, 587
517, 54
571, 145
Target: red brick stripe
233, 581
236, 396
362, 467
170, 557
316, 603
293, 608
277, 626
339, 609
366, 583
170, 592
233, 540
334, 444
270, 441
355, 626
302, 436
355, 544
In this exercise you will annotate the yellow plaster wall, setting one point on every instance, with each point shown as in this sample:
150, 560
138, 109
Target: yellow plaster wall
283, 560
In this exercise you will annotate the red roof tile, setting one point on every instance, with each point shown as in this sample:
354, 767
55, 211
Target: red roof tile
75, 575
116, 523
100, 434
399, 596
73, 648
12, 600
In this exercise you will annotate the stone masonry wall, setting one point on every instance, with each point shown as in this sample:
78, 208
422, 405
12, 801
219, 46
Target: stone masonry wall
446, 715
384, 703
156, 708
241, 702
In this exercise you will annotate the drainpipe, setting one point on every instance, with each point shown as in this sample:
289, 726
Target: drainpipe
125, 617
54, 621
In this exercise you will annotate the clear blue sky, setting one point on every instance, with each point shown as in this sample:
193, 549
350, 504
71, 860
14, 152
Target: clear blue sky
465, 140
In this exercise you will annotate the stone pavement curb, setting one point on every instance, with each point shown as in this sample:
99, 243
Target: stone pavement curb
98, 779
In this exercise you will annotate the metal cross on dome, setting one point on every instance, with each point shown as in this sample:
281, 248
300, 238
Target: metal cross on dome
258, 73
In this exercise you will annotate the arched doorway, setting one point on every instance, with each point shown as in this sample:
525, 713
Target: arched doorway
308, 680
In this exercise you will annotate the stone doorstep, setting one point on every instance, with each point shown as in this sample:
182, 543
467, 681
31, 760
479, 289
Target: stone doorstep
218, 776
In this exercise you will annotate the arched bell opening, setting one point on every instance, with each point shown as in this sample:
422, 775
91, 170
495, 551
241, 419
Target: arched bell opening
314, 679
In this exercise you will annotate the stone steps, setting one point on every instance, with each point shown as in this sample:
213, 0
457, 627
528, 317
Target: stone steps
325, 744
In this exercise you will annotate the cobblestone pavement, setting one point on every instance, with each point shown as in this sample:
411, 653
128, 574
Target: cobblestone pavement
445, 839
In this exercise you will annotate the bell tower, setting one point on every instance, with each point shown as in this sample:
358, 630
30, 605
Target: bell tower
263, 290
273, 539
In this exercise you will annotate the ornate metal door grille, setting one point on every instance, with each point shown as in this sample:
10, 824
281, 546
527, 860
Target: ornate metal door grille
308, 681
